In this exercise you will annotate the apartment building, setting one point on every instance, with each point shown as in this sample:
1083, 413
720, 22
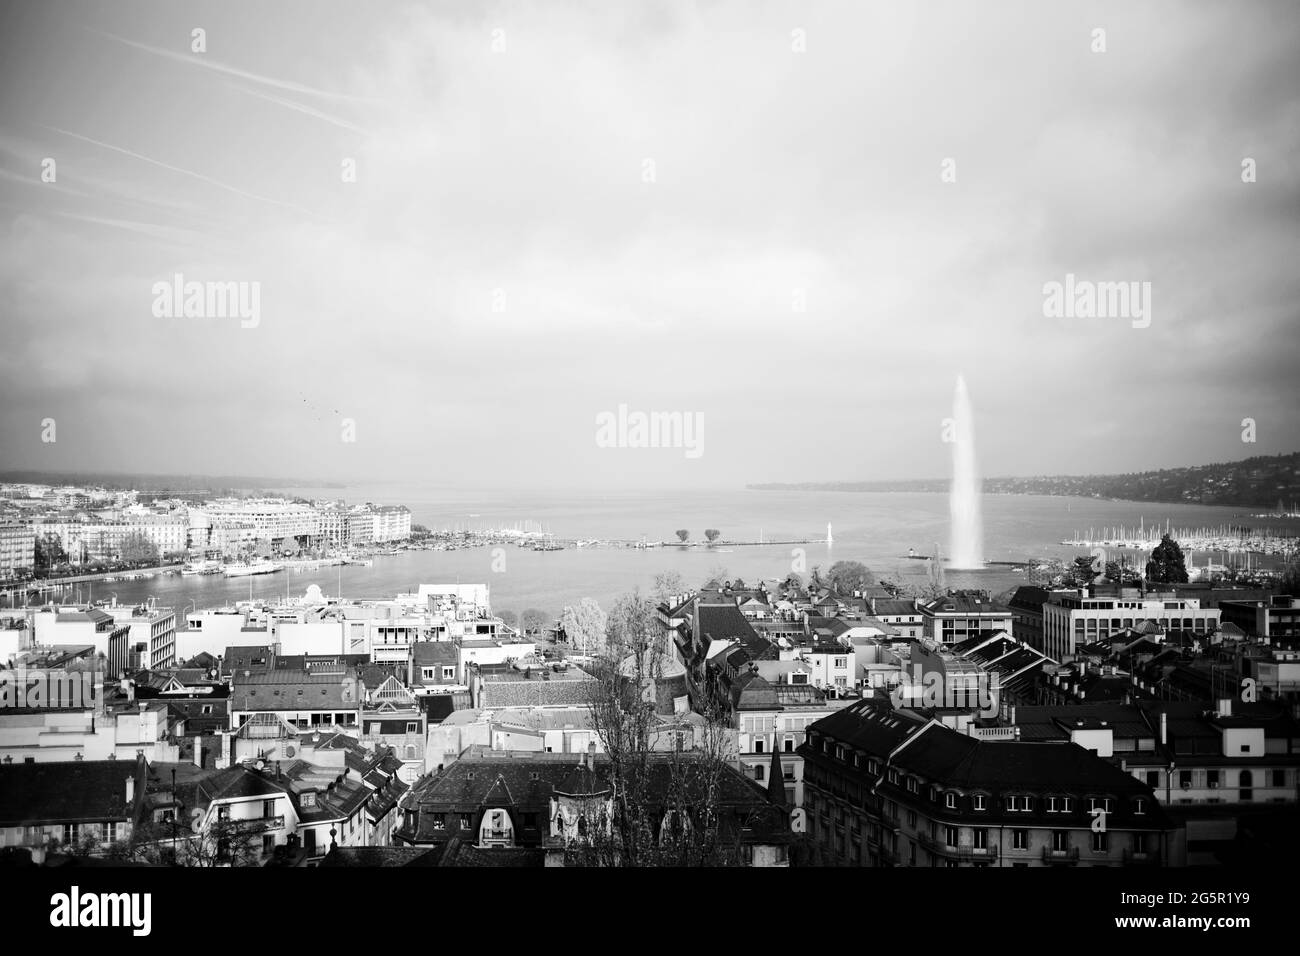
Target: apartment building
962, 615
885, 787
17, 550
390, 523
1073, 618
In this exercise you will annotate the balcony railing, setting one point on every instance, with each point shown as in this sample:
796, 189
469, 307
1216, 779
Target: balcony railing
259, 825
1069, 855
961, 852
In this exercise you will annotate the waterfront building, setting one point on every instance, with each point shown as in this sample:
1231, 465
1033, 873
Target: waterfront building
87, 540
284, 524
17, 551
390, 523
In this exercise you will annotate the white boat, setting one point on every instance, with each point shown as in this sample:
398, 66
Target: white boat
201, 567
257, 567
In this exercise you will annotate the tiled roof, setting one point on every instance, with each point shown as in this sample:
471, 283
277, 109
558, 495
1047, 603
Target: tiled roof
65, 792
294, 690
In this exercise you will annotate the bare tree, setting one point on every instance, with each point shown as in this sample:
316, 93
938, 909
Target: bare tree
584, 626
663, 807
668, 584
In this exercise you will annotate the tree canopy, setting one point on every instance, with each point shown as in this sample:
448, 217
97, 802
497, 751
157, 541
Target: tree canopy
849, 576
1166, 565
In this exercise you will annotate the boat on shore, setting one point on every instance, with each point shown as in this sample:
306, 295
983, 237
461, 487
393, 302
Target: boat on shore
244, 570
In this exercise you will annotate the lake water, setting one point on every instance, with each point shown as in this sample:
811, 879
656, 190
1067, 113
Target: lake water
875, 528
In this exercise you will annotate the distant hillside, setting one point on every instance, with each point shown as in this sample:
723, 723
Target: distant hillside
183, 484
1254, 483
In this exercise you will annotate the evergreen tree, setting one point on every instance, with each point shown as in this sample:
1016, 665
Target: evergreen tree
1166, 565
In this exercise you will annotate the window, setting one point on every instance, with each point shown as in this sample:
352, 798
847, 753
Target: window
1212, 779
412, 726
1099, 842
911, 819
1139, 843
223, 812
449, 673
789, 745
758, 771
950, 835
268, 809
440, 820
841, 662
977, 801
1245, 782
1020, 839
1185, 779
466, 821
1060, 841
1139, 806
758, 745
429, 673
980, 838
950, 800
1279, 778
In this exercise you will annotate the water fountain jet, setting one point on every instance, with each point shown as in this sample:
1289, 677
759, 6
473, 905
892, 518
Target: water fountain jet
966, 551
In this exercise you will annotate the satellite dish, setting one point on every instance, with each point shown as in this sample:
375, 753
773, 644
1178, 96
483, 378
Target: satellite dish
290, 751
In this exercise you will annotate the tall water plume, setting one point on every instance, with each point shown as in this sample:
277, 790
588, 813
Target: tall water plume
966, 549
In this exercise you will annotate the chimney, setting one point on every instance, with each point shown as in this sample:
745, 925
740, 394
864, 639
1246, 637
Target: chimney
198, 752
591, 756
130, 791
1164, 728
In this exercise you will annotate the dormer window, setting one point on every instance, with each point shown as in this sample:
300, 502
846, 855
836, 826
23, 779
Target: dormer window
1139, 806
950, 800
309, 800
977, 802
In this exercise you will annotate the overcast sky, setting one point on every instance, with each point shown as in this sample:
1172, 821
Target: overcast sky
501, 271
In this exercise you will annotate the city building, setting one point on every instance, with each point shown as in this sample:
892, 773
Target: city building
82, 804
554, 806
1072, 618
1276, 620
961, 615
887, 787
17, 551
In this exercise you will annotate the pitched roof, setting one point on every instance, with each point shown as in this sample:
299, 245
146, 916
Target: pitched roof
65, 792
